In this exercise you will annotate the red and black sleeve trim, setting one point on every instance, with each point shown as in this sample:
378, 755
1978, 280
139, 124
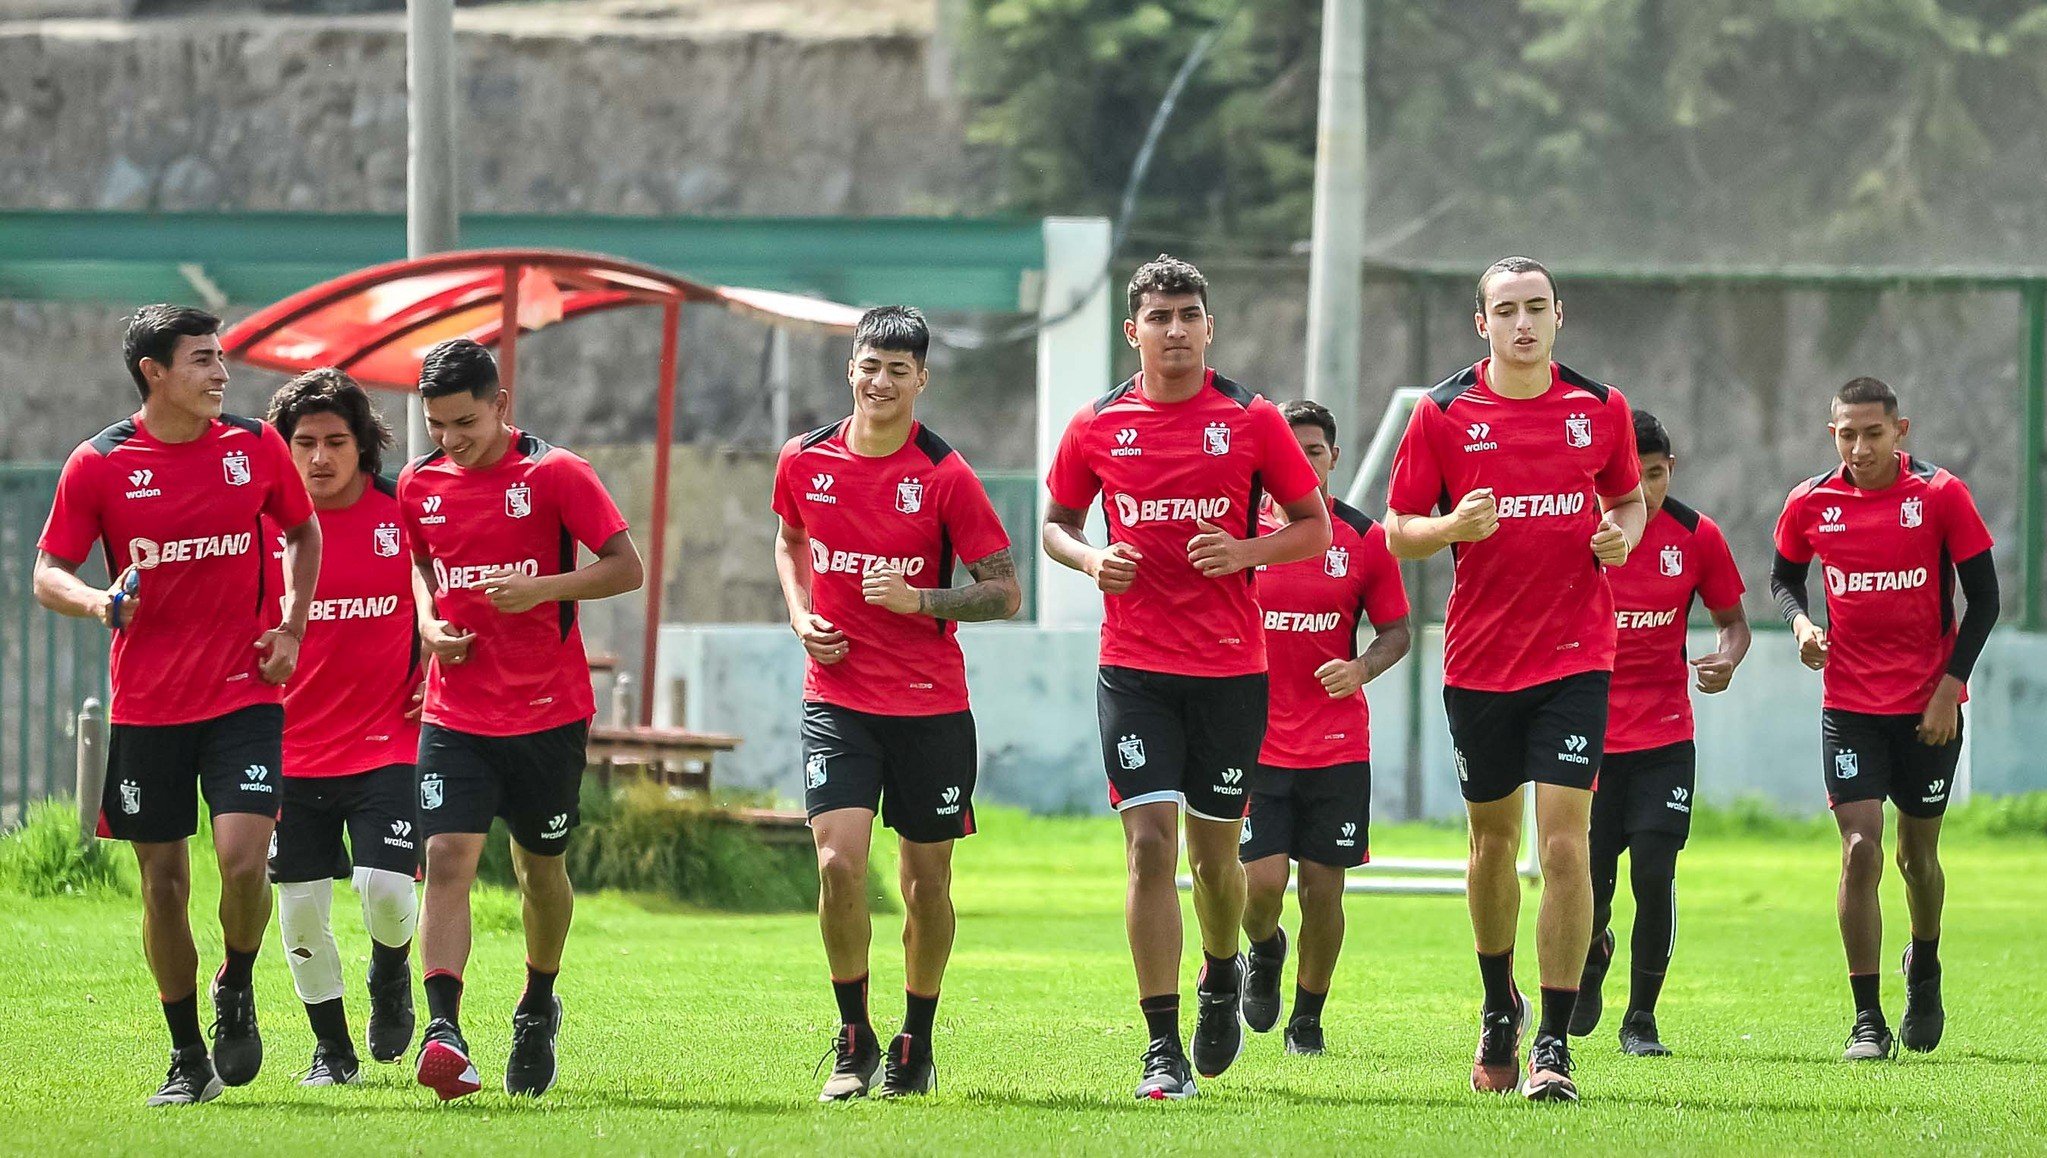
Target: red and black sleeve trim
532, 446
250, 425
384, 485
813, 437
1359, 521
1450, 389
113, 436
1920, 468
1570, 377
934, 448
1234, 390
429, 457
1686, 517
1102, 403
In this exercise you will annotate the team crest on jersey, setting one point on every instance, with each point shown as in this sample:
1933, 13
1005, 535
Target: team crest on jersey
1215, 438
1911, 512
387, 539
518, 501
909, 496
1336, 562
1578, 430
236, 467
1672, 561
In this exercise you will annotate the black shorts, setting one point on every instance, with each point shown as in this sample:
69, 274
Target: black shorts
1645, 791
1552, 733
533, 781
156, 772
1868, 757
917, 772
1191, 740
379, 809
1322, 815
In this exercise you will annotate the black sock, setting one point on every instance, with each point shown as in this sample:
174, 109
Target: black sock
918, 1010
1557, 1006
182, 1016
1644, 988
1868, 990
1161, 1016
1496, 970
1925, 960
852, 997
386, 958
444, 996
1307, 1003
1271, 947
330, 1022
1219, 974
539, 995
236, 971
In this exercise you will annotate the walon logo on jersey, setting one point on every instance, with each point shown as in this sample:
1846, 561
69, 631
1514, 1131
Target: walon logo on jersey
1574, 750
1578, 430
1841, 582
1540, 506
518, 501
1680, 798
148, 553
1130, 752
1478, 432
1126, 444
821, 489
236, 467
385, 542
1348, 835
1830, 520
140, 480
431, 506
1131, 511
1911, 512
951, 807
1671, 561
909, 496
1215, 438
1336, 562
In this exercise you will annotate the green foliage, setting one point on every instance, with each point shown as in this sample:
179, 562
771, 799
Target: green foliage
2024, 815
44, 858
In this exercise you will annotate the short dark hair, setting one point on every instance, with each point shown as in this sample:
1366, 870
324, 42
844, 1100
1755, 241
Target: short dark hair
1866, 389
901, 329
1303, 412
1513, 265
458, 366
1650, 437
154, 332
1168, 276
329, 391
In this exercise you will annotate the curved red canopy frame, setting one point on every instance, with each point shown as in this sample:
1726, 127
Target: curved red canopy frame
379, 323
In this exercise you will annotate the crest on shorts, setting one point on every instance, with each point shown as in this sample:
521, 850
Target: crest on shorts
813, 771
131, 797
387, 539
518, 501
236, 467
1130, 752
1578, 430
1215, 438
1911, 512
1672, 561
1336, 562
430, 791
1846, 766
909, 496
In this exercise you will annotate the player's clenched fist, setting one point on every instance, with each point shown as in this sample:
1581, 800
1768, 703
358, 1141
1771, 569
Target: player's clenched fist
1340, 678
1812, 643
1215, 552
510, 591
825, 643
1477, 516
1609, 542
1115, 569
888, 590
448, 643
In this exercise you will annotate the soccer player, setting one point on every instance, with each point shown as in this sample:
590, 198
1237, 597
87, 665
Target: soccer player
493, 519
1642, 804
873, 508
1527, 471
1893, 534
1180, 456
350, 736
1311, 795
172, 496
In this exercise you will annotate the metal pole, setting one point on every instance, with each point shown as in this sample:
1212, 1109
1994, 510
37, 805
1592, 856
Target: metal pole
508, 340
92, 767
2033, 404
1336, 265
664, 434
430, 153
778, 384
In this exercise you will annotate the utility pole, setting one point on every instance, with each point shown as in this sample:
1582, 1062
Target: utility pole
431, 156
1336, 264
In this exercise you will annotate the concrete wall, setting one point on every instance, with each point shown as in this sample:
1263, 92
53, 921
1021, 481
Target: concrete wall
1034, 705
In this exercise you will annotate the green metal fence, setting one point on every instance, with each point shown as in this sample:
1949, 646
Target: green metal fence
49, 665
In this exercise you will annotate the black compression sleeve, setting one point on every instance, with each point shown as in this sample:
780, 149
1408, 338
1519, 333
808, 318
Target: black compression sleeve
1978, 576
1787, 583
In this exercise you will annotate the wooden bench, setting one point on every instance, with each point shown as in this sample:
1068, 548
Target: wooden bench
671, 756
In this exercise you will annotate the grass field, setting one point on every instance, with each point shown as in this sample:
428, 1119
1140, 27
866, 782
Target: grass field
689, 1031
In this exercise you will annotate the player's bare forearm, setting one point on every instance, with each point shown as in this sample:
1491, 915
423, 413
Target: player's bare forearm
616, 570
1305, 535
1734, 633
994, 594
792, 569
59, 588
301, 573
423, 591
1416, 536
1388, 647
1065, 537
1629, 512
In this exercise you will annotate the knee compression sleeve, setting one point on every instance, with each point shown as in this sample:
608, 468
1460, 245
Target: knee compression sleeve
390, 905
302, 910
1652, 873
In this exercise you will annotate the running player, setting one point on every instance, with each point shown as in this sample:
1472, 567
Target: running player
172, 496
1643, 802
873, 509
1178, 454
349, 732
1893, 534
493, 519
1311, 796
1532, 467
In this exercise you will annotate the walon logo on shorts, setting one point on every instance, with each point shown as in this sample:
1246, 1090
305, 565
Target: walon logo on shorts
557, 827
256, 778
1233, 782
431, 791
951, 796
401, 834
1349, 837
1935, 789
1679, 798
1574, 750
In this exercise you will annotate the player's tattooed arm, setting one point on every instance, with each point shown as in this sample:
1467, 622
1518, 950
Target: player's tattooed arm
993, 594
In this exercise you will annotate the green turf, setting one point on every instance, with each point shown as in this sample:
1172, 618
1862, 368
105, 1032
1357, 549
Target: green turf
687, 1031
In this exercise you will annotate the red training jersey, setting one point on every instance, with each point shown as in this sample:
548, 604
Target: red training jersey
344, 709
1682, 555
1529, 604
1888, 560
528, 672
1159, 467
188, 515
910, 512
1313, 609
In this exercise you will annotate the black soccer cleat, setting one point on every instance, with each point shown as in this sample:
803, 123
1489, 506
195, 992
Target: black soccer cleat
1920, 1028
1167, 1076
190, 1081
1304, 1036
1585, 1015
858, 1057
1638, 1035
391, 1017
1549, 1071
1870, 1040
907, 1069
237, 1045
530, 1070
1261, 987
1218, 1024
444, 1066
334, 1064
